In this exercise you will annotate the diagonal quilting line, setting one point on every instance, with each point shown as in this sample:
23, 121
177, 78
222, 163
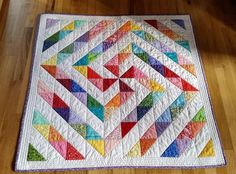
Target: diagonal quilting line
189, 135
146, 124
145, 57
77, 91
165, 121
201, 139
82, 64
118, 114
130, 121
103, 46
166, 50
143, 81
67, 131
75, 100
164, 39
62, 33
56, 140
132, 73
77, 43
178, 124
76, 122
43, 146
57, 27
165, 71
80, 79
169, 33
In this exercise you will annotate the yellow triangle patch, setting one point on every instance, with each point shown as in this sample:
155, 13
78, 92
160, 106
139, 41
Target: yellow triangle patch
109, 111
99, 145
43, 130
208, 150
189, 95
156, 87
135, 150
127, 49
135, 27
82, 70
70, 26
51, 61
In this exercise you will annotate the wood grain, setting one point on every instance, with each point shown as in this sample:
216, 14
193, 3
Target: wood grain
215, 31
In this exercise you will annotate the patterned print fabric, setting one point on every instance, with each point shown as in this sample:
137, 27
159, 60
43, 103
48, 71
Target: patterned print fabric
117, 92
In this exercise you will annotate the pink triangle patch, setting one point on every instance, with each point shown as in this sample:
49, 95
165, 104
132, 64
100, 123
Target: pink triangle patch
113, 61
138, 73
115, 134
60, 74
61, 147
110, 144
151, 133
98, 83
124, 96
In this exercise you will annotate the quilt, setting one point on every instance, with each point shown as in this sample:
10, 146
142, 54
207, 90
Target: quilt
117, 91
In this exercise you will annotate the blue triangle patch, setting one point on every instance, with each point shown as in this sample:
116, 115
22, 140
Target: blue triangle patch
179, 22
172, 150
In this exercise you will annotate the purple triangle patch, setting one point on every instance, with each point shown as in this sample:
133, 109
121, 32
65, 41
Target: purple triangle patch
82, 96
183, 144
161, 127
51, 22
74, 119
132, 117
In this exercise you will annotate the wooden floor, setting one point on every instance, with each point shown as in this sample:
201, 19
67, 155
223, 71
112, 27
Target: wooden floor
214, 22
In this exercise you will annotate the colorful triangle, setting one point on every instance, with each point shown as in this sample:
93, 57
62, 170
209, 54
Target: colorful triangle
34, 155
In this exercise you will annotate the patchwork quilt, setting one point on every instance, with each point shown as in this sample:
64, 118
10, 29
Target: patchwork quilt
125, 91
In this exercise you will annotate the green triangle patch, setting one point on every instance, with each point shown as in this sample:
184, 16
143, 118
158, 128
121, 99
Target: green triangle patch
34, 155
147, 101
80, 128
69, 49
78, 23
200, 116
184, 43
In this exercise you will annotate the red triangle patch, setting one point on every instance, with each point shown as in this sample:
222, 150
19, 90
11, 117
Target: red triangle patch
152, 23
129, 73
66, 83
169, 73
187, 86
91, 74
72, 153
113, 68
58, 103
51, 69
107, 83
125, 127
124, 87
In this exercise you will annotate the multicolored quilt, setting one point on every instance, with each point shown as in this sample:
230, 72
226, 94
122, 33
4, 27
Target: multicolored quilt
125, 91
